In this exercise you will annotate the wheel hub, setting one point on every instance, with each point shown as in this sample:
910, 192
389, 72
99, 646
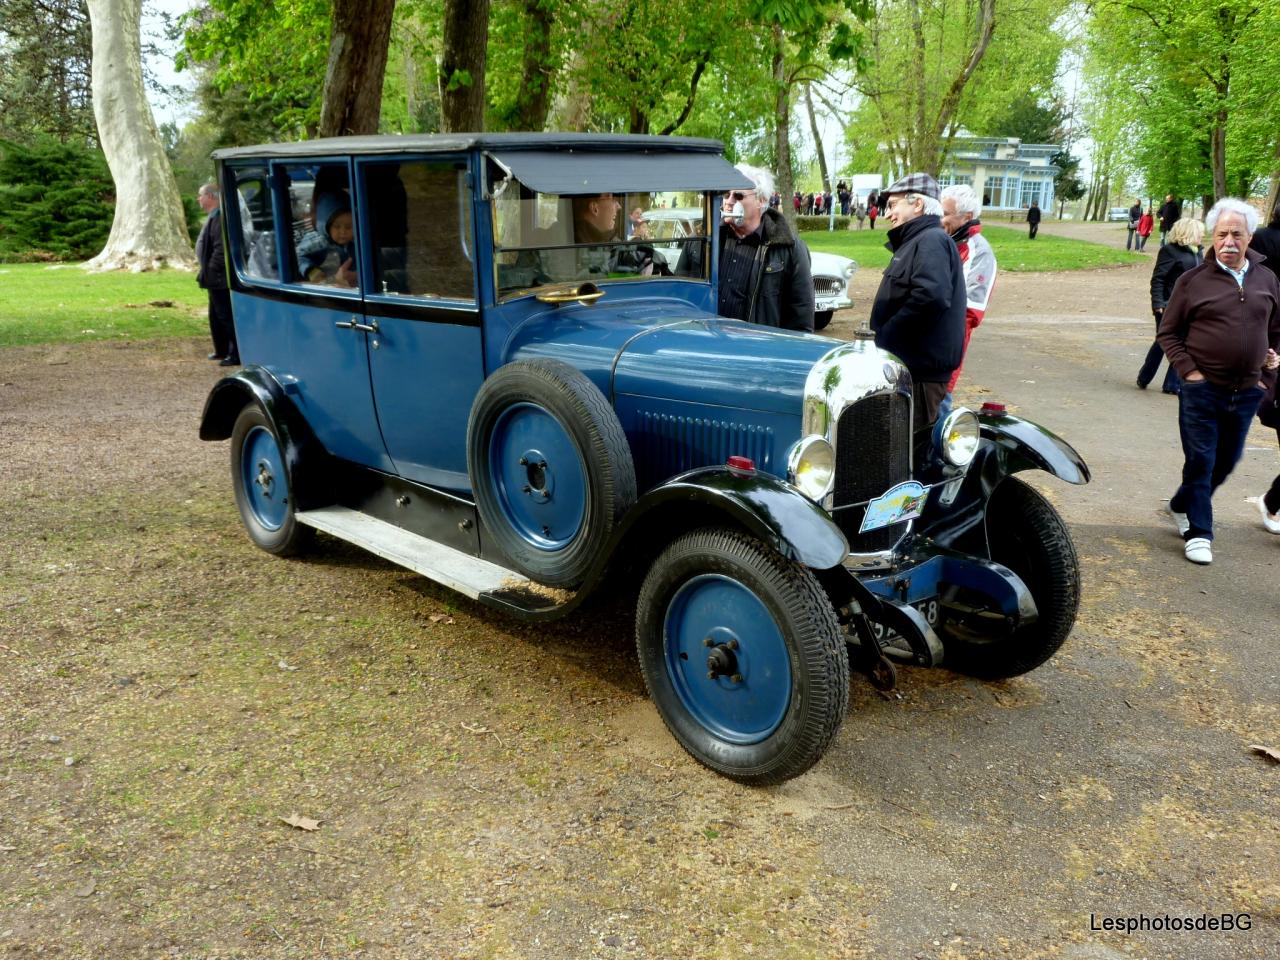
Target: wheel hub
264, 478
722, 661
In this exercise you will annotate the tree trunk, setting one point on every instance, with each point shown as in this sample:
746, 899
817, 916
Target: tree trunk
534, 100
462, 65
782, 126
148, 230
1218, 153
817, 139
358, 43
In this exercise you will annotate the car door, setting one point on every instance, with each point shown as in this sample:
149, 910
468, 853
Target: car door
297, 312
425, 343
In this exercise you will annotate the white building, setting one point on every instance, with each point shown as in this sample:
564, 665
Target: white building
1007, 173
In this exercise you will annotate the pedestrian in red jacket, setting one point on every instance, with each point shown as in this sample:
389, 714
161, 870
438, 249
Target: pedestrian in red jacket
1145, 223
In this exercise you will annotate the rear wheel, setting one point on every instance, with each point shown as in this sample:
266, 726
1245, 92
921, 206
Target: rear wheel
742, 656
263, 487
1029, 537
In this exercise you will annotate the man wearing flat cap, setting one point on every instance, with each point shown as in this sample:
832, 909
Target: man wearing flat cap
918, 313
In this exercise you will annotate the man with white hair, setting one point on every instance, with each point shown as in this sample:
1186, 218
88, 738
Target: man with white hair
765, 276
961, 210
1221, 328
918, 314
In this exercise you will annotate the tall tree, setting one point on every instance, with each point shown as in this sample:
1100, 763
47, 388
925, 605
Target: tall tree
148, 229
45, 46
358, 42
462, 64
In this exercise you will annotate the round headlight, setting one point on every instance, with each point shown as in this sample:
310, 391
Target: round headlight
960, 432
849, 270
812, 467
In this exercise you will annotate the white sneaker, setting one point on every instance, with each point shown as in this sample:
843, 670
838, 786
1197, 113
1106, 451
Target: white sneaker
1269, 520
1180, 520
1198, 550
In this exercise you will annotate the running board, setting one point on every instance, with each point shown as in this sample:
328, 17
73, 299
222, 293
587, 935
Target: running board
481, 580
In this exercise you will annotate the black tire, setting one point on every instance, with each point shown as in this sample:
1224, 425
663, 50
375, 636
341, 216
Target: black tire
782, 724
553, 517
263, 487
821, 319
1028, 536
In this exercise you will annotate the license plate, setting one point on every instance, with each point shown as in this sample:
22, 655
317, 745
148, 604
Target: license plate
927, 608
903, 502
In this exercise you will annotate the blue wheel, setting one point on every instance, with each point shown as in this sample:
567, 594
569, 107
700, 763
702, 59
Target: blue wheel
550, 467
263, 486
742, 655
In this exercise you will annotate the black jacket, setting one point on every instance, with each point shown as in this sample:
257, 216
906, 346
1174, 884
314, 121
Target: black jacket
1266, 241
211, 263
919, 311
1172, 261
780, 287
1033, 214
1170, 212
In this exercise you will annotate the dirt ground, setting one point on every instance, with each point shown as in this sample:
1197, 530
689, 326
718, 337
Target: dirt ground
482, 788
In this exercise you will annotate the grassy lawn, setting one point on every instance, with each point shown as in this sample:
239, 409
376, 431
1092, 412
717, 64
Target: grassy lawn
1013, 250
62, 304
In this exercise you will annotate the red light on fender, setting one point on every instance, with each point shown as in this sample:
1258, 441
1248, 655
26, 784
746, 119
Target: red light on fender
741, 466
994, 408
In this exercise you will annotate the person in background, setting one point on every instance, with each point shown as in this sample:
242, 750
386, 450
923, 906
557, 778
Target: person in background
765, 276
1266, 243
861, 213
961, 208
1135, 214
1145, 223
1033, 220
1175, 258
918, 314
1170, 212
873, 211
211, 275
1221, 329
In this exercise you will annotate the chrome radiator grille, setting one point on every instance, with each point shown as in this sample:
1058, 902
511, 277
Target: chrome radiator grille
827, 286
873, 452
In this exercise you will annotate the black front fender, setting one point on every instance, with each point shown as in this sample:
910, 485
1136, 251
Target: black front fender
1023, 445
304, 457
771, 510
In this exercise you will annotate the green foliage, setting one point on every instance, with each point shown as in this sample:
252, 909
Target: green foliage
1014, 252
45, 50
1027, 117
55, 201
820, 222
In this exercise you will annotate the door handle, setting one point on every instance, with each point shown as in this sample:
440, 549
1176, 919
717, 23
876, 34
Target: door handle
370, 327
346, 324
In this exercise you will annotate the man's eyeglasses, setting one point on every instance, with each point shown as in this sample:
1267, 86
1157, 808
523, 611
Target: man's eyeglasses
736, 196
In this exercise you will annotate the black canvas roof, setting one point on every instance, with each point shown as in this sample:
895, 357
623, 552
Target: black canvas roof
455, 142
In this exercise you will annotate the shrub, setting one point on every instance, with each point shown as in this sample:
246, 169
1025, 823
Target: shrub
56, 201
821, 223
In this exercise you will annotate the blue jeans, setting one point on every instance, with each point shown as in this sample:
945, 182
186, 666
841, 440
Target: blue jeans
1213, 422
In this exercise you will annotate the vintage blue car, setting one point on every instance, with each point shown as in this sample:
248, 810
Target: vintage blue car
457, 359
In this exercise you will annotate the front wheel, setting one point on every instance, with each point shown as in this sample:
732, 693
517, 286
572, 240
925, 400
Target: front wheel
1028, 536
263, 487
821, 319
742, 656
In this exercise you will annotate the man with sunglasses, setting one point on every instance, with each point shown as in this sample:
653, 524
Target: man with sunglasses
765, 276
918, 314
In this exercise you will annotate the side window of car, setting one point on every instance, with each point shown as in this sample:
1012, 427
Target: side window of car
322, 228
420, 229
256, 253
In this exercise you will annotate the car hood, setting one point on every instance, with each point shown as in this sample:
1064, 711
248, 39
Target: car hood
674, 352
827, 264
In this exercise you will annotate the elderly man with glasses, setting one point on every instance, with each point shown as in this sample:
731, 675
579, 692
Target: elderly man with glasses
918, 314
765, 276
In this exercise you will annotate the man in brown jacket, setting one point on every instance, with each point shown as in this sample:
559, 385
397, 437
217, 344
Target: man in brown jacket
1220, 329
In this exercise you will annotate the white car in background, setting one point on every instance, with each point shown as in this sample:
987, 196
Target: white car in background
832, 273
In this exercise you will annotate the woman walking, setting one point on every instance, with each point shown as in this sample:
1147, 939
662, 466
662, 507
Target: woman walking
1145, 223
1180, 253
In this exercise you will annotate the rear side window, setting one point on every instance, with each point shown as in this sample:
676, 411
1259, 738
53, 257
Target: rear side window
419, 215
322, 228
256, 256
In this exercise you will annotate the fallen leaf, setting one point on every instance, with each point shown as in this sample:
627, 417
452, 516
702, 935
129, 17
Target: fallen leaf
1269, 752
302, 823
441, 618
86, 889
284, 666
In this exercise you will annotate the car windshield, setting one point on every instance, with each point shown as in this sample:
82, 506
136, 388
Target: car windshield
544, 238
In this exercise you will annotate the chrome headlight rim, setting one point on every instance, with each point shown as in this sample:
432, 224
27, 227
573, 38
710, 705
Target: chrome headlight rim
813, 449
961, 434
